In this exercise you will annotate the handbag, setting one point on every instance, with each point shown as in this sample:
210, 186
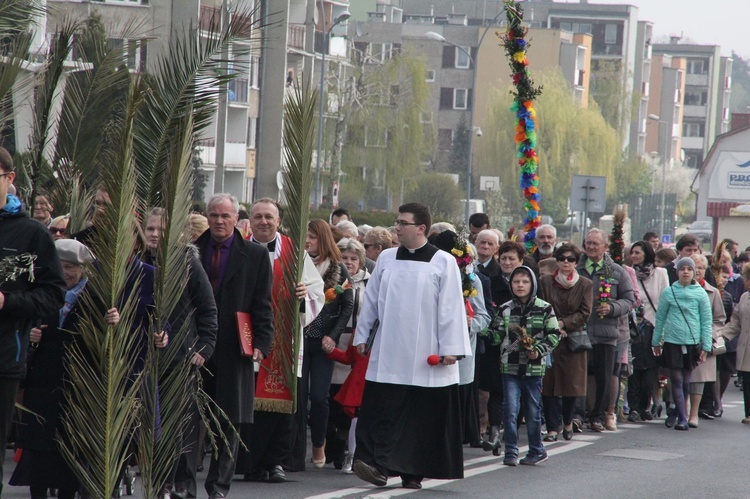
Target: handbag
719, 346
578, 341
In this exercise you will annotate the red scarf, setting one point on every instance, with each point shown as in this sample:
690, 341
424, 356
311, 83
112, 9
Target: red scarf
272, 391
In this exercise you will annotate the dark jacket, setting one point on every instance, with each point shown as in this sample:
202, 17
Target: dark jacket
491, 270
245, 287
335, 315
196, 304
26, 300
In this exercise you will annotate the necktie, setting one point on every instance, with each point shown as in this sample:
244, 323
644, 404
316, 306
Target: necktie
594, 268
215, 269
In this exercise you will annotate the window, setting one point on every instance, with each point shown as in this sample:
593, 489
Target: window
460, 98
697, 66
376, 136
610, 34
566, 27
445, 139
429, 75
694, 129
696, 97
380, 52
693, 159
133, 52
254, 72
252, 128
585, 28
425, 117
463, 61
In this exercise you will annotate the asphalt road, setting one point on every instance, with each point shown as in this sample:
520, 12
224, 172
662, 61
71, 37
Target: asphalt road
638, 460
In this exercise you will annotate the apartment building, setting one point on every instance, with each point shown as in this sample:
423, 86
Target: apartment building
708, 86
666, 107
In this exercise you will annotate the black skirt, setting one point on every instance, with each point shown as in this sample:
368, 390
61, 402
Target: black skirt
674, 358
411, 430
44, 469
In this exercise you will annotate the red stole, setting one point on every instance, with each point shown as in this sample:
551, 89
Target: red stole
277, 373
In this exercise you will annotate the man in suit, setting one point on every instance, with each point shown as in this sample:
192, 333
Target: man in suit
487, 242
240, 274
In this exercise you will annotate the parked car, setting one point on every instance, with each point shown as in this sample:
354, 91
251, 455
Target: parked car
701, 229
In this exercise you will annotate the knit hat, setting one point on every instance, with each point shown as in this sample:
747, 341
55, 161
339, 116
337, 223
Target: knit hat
70, 250
445, 241
685, 261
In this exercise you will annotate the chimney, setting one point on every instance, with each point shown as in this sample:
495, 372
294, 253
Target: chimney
674, 39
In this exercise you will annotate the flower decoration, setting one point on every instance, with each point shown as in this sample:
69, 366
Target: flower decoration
526, 341
605, 287
461, 251
516, 47
332, 293
616, 241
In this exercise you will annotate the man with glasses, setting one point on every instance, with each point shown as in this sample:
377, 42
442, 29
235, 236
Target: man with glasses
31, 287
602, 325
43, 209
410, 422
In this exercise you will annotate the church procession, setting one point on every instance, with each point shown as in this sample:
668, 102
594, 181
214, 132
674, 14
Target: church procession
162, 342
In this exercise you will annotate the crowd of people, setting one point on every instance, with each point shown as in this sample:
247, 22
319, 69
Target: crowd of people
405, 332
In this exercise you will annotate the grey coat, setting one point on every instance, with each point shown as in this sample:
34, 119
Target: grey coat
604, 330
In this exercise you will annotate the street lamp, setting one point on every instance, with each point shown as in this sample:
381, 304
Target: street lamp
343, 16
431, 35
655, 117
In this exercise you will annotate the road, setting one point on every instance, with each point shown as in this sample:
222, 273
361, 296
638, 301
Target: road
638, 460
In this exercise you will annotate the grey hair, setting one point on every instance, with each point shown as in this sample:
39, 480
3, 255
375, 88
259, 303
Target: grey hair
699, 257
348, 226
598, 231
219, 198
491, 233
439, 227
548, 226
500, 236
348, 244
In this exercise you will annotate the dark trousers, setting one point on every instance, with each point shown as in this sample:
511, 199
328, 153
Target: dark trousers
221, 469
495, 408
746, 391
317, 371
183, 476
603, 364
8, 393
558, 411
470, 420
641, 386
270, 434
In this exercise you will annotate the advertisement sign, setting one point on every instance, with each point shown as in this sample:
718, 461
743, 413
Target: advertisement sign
730, 180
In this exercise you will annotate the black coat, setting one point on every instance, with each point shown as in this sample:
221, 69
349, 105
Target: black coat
491, 270
26, 300
245, 287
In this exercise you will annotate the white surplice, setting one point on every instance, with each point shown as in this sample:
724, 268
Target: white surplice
421, 311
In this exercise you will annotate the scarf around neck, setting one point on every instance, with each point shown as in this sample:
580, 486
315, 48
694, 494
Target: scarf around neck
643, 272
12, 204
566, 282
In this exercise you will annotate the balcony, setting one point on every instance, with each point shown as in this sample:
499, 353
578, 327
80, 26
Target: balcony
696, 80
694, 112
235, 153
296, 36
692, 143
237, 91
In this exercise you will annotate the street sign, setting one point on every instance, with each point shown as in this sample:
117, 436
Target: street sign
666, 238
335, 195
588, 193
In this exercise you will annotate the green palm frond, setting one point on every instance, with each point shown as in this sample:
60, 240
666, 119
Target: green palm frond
77, 197
103, 406
16, 15
299, 137
189, 81
13, 64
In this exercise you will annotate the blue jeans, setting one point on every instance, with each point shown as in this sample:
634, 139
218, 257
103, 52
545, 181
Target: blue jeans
530, 387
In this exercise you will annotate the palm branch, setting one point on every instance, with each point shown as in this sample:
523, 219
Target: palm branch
299, 135
103, 405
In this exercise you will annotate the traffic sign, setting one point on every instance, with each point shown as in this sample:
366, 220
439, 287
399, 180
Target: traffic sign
666, 238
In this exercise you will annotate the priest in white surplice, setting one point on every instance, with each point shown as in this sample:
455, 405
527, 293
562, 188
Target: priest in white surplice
410, 422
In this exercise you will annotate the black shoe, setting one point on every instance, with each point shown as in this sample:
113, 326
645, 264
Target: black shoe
681, 427
550, 437
634, 417
276, 475
534, 460
670, 421
411, 483
647, 416
256, 475
719, 413
706, 415
476, 445
493, 442
567, 434
510, 461
369, 473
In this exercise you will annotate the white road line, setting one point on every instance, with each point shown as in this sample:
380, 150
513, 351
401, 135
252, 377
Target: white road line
552, 450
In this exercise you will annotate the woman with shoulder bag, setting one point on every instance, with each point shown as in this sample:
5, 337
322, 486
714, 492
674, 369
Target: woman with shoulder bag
682, 335
571, 296
643, 384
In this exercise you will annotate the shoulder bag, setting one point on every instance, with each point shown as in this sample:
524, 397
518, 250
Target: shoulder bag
578, 341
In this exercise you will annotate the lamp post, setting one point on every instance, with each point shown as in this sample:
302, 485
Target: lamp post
343, 16
469, 168
655, 117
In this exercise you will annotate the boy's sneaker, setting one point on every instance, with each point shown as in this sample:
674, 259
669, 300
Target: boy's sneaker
533, 460
634, 417
510, 461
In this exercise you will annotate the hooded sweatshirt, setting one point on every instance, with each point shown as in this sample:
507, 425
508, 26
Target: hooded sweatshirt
537, 317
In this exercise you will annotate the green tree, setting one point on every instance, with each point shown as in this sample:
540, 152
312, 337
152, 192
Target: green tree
460, 150
740, 99
440, 193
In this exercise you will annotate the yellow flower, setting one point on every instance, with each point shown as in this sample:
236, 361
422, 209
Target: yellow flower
466, 293
519, 56
457, 252
473, 293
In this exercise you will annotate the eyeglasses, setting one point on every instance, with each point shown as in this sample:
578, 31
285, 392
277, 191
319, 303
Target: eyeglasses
57, 230
368, 246
570, 259
5, 174
402, 223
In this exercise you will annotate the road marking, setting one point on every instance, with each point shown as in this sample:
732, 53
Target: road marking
552, 450
645, 455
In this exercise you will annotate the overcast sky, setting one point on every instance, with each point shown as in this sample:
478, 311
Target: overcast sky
714, 22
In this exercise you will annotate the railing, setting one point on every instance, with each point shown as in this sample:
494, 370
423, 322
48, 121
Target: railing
237, 91
296, 36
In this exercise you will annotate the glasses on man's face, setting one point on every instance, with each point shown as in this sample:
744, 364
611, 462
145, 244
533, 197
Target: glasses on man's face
570, 259
368, 246
57, 230
5, 174
404, 223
